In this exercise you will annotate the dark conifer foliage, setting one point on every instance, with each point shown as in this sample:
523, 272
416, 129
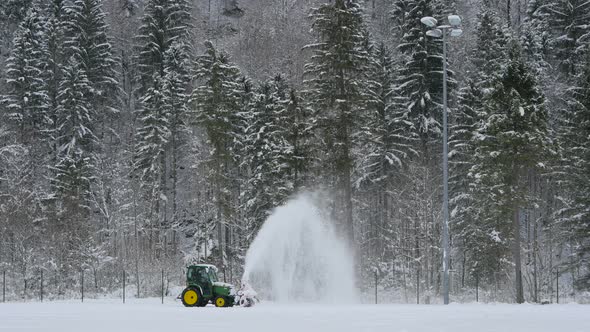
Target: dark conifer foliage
335, 80
27, 101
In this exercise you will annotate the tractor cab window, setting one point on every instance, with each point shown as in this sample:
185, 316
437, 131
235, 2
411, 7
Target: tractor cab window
198, 275
212, 275
191, 274
202, 276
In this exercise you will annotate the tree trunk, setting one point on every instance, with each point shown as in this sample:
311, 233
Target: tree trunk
516, 257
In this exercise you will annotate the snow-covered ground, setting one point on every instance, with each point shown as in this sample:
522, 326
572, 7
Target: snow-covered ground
149, 315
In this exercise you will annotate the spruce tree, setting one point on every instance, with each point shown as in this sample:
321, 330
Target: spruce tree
535, 32
489, 54
14, 11
152, 137
216, 104
76, 161
463, 138
299, 137
387, 143
513, 140
87, 40
575, 140
268, 152
335, 81
25, 137
570, 23
175, 79
27, 102
472, 232
420, 75
163, 23
75, 133
162, 37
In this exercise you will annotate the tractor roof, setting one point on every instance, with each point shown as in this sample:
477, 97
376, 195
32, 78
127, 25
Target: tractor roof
206, 266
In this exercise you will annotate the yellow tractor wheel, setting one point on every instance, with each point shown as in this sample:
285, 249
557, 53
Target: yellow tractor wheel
190, 297
220, 302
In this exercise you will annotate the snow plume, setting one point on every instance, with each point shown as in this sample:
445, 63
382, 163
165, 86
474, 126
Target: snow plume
297, 257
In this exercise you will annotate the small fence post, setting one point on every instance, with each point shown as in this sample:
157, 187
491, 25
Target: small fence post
162, 286
375, 287
138, 281
557, 282
41, 288
477, 288
82, 284
123, 286
3, 286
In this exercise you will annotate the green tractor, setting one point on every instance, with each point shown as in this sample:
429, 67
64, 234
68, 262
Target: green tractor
202, 287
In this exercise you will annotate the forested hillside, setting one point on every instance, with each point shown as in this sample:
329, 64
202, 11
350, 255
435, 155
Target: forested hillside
141, 135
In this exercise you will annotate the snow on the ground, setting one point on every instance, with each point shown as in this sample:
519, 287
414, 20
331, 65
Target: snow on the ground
149, 315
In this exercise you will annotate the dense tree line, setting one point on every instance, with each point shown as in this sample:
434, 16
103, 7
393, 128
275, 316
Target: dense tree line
151, 134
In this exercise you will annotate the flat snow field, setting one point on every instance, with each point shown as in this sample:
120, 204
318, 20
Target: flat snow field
148, 315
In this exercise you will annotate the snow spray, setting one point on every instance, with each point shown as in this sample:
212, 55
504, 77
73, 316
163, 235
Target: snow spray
297, 257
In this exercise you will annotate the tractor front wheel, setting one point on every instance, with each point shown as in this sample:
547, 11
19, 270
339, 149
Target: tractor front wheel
221, 302
191, 297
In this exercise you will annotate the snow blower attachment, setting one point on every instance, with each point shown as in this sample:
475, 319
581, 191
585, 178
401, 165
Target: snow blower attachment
202, 287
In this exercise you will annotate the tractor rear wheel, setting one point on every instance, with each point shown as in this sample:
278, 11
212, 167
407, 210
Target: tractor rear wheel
221, 302
191, 297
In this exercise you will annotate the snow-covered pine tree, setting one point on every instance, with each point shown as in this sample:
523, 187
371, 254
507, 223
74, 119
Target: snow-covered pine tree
176, 79
335, 81
419, 78
241, 120
489, 55
575, 139
462, 142
216, 103
27, 101
76, 164
569, 21
418, 91
299, 137
513, 140
535, 32
55, 45
14, 11
471, 233
387, 144
24, 144
86, 39
268, 153
151, 139
163, 23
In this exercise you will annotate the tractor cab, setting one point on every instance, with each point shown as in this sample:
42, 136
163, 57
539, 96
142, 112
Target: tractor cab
201, 273
202, 276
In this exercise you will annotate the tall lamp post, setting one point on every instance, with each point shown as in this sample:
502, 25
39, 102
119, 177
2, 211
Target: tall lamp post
454, 30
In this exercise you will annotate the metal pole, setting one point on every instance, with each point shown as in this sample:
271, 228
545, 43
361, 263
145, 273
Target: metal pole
3, 286
162, 286
41, 288
445, 179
